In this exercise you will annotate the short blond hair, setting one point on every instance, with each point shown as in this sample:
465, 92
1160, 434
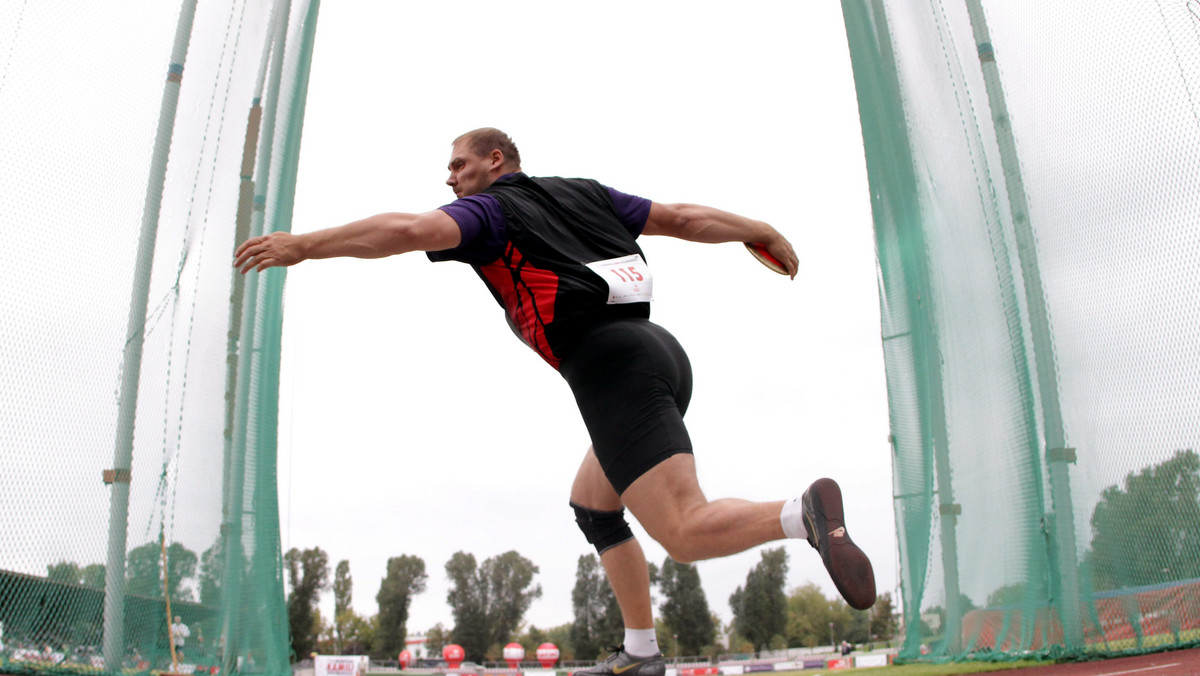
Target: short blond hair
486, 139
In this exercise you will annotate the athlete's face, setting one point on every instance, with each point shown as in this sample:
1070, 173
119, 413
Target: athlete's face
471, 173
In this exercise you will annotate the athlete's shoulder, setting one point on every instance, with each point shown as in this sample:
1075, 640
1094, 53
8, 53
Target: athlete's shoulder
554, 187
559, 184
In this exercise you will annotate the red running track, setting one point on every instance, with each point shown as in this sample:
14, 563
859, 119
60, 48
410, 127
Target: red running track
1174, 663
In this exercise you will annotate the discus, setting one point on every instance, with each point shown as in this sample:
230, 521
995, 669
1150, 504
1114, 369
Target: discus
760, 252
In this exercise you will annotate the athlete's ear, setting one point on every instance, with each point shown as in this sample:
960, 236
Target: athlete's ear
497, 158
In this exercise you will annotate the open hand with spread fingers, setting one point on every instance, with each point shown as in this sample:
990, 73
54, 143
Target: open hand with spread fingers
276, 249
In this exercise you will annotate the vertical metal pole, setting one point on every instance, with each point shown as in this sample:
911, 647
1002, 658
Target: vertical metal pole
281, 199
246, 306
245, 209
238, 282
120, 474
1057, 454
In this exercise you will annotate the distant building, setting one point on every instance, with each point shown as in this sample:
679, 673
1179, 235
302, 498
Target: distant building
415, 644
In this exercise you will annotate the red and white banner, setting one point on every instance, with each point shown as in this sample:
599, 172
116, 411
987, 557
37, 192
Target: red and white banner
340, 665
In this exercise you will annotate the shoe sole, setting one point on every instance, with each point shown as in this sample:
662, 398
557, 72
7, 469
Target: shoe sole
848, 565
652, 667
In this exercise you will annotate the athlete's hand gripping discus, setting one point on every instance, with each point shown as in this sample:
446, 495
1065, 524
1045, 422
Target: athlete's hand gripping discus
760, 252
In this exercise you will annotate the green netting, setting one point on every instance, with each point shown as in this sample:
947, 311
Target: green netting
138, 143
1035, 183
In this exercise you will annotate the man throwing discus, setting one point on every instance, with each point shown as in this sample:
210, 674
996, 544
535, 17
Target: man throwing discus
561, 257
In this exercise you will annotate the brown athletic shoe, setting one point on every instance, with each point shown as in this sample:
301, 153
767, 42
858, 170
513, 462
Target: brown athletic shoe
847, 564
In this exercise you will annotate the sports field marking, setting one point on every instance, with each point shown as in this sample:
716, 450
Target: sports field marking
1134, 671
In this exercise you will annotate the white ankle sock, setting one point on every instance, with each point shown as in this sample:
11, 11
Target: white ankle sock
791, 517
641, 642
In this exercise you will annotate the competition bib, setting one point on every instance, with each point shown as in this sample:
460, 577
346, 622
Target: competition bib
628, 279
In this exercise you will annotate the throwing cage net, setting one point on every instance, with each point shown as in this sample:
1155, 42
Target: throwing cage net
1035, 183
138, 143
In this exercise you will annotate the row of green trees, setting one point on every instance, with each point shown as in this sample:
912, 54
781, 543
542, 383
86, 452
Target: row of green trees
766, 619
144, 573
1148, 530
488, 601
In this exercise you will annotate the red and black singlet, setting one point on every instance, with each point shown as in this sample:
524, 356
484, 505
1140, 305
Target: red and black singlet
554, 227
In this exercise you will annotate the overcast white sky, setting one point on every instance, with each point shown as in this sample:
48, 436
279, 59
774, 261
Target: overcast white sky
414, 422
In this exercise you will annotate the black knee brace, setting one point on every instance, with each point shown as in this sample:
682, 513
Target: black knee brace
604, 530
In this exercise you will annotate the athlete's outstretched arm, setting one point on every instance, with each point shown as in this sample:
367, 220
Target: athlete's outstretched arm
697, 223
375, 237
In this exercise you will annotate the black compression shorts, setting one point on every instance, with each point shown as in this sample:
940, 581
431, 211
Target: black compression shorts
632, 381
